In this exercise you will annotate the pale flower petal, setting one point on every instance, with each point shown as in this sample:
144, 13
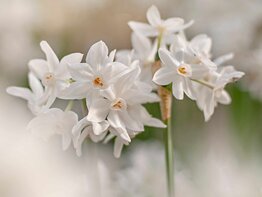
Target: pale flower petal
97, 54
143, 28
153, 16
164, 76
50, 56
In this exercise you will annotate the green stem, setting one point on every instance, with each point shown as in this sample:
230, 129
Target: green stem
169, 154
84, 107
69, 105
166, 109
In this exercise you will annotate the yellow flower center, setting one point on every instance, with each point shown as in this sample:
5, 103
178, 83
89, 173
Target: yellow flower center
48, 79
119, 104
98, 82
184, 70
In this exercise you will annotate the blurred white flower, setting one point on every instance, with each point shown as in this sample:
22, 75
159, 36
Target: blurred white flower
84, 128
120, 105
54, 122
157, 26
144, 51
209, 95
143, 174
32, 96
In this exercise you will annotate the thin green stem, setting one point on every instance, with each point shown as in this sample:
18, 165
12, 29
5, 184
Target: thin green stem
166, 109
84, 107
169, 154
69, 105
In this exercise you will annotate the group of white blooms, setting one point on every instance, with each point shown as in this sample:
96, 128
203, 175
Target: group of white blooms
115, 85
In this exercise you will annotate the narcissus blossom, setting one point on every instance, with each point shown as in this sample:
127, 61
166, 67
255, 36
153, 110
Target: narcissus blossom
114, 86
157, 26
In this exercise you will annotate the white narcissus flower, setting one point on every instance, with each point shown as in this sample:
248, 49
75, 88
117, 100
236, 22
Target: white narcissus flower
178, 70
144, 51
198, 49
208, 96
158, 26
84, 128
32, 96
120, 105
97, 73
52, 72
54, 122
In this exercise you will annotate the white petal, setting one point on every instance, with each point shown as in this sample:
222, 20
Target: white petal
76, 90
210, 105
143, 28
98, 110
100, 127
179, 44
23, 93
80, 140
224, 58
81, 71
115, 121
173, 23
66, 141
167, 59
224, 98
72, 58
118, 146
35, 85
108, 93
188, 88
131, 123
141, 44
111, 56
201, 43
153, 16
97, 54
39, 67
177, 89
50, 56
164, 76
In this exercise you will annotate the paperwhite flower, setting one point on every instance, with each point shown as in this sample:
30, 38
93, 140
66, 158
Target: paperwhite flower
144, 51
84, 128
32, 96
197, 50
97, 73
120, 105
54, 122
208, 96
179, 68
158, 26
52, 72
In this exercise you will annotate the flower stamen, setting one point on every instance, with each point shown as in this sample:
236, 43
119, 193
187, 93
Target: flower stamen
98, 82
119, 104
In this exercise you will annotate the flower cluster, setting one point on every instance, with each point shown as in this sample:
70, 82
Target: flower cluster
114, 85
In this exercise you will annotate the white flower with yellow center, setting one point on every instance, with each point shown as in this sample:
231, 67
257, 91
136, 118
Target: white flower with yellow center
96, 74
157, 26
33, 96
178, 70
52, 72
120, 105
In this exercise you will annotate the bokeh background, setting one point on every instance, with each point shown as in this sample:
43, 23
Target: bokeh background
220, 158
